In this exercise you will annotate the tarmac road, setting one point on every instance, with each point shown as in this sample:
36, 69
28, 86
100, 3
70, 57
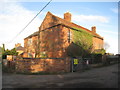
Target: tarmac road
0, 75
104, 77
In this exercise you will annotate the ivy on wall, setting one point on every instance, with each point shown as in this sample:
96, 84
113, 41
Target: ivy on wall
101, 51
81, 43
82, 38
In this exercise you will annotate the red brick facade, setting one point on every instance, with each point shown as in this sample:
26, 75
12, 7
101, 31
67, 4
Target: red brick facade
54, 42
97, 43
54, 37
31, 45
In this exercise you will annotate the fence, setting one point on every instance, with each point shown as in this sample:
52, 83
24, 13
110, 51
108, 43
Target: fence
113, 59
80, 64
85, 63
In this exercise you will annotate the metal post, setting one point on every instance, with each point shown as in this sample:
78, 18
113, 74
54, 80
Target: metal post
72, 64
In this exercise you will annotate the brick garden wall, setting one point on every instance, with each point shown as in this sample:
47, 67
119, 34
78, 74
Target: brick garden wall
43, 65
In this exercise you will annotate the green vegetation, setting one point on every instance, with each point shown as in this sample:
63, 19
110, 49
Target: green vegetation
82, 36
82, 42
97, 55
0, 52
83, 39
8, 52
102, 51
82, 45
43, 55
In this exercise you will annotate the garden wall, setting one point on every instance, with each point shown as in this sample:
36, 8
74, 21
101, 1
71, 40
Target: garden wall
34, 65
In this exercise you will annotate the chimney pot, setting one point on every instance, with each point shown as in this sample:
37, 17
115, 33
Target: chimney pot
93, 29
67, 16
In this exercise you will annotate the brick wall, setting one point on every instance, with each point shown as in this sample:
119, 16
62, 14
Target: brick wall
30, 48
54, 42
43, 65
53, 37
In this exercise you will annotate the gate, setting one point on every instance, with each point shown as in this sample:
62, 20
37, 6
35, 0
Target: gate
80, 64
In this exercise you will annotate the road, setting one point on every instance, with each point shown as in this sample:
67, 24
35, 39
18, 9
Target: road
104, 77
0, 74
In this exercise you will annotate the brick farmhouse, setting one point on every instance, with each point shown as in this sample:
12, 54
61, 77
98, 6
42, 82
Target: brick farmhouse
55, 36
31, 45
52, 43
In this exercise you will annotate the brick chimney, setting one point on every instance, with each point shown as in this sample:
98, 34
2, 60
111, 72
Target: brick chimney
67, 16
17, 45
93, 29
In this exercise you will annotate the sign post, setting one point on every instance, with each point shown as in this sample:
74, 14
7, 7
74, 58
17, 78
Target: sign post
74, 64
75, 61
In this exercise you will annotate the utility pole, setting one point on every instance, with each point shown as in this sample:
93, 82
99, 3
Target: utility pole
0, 54
3, 48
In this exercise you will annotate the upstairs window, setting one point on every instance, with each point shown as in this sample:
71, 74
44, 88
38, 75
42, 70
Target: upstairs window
29, 41
69, 36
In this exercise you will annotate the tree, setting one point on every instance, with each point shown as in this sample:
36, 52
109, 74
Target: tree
3, 48
106, 45
9, 52
13, 51
0, 52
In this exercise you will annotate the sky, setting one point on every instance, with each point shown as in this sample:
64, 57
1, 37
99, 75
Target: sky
14, 16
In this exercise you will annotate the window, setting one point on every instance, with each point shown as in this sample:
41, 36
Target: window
29, 41
69, 36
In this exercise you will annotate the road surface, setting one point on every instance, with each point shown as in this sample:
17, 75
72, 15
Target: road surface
104, 77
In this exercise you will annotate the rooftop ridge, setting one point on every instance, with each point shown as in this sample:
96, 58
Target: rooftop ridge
67, 23
76, 25
33, 34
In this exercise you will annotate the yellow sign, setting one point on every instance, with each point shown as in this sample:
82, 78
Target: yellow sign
75, 61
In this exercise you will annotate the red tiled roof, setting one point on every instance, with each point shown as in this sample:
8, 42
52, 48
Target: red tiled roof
20, 48
34, 34
73, 25
66, 23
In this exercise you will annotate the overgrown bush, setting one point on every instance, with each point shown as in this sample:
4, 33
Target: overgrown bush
97, 58
9, 52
